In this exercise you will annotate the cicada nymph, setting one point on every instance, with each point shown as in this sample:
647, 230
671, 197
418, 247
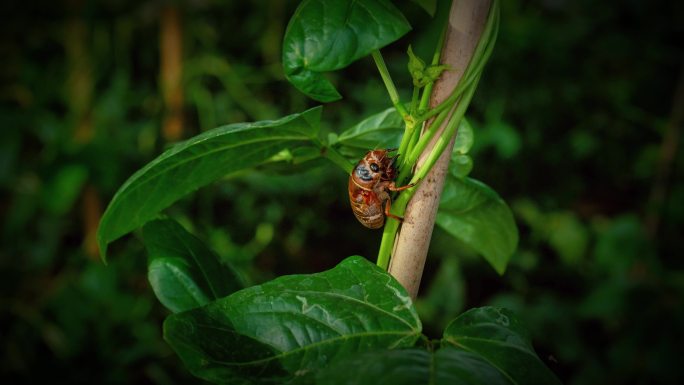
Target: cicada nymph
369, 185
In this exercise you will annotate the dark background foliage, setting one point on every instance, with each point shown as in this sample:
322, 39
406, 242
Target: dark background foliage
577, 124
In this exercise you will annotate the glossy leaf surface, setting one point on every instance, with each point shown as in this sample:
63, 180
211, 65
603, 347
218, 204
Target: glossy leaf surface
295, 324
379, 131
446, 366
327, 35
475, 214
497, 336
484, 346
199, 161
183, 271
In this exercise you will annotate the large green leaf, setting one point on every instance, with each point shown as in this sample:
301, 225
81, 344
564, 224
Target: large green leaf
459, 367
498, 337
475, 214
183, 271
199, 161
446, 366
382, 130
486, 346
294, 324
327, 35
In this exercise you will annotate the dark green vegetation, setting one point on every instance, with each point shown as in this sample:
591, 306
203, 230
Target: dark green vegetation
573, 125
293, 328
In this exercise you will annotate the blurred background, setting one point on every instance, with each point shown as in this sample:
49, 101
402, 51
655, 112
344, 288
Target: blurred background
577, 121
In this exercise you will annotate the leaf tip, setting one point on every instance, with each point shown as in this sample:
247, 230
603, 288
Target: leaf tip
102, 245
313, 84
331, 96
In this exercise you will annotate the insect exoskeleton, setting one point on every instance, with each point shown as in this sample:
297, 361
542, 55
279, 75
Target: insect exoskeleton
369, 185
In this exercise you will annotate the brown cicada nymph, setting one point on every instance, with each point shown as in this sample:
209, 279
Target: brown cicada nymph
369, 185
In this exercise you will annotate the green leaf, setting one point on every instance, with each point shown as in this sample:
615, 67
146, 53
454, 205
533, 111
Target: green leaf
197, 162
459, 367
433, 72
183, 272
421, 74
461, 163
475, 214
497, 336
416, 66
381, 367
327, 35
379, 131
294, 324
465, 137
447, 366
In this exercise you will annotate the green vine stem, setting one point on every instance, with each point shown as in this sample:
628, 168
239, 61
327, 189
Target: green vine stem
389, 84
427, 91
448, 134
418, 147
411, 135
334, 156
449, 114
480, 57
414, 100
399, 205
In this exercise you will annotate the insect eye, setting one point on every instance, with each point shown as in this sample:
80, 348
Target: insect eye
374, 167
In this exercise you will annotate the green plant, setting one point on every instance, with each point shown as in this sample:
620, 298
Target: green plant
309, 328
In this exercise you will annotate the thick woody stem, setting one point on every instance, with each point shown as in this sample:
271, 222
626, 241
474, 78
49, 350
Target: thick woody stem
466, 22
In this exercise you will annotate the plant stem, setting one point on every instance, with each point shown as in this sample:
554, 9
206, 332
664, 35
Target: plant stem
409, 139
425, 99
399, 205
387, 241
419, 205
405, 140
411, 145
480, 57
414, 100
447, 136
418, 149
394, 96
334, 156
389, 84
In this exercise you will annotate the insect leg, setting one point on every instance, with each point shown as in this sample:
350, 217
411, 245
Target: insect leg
392, 187
388, 205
